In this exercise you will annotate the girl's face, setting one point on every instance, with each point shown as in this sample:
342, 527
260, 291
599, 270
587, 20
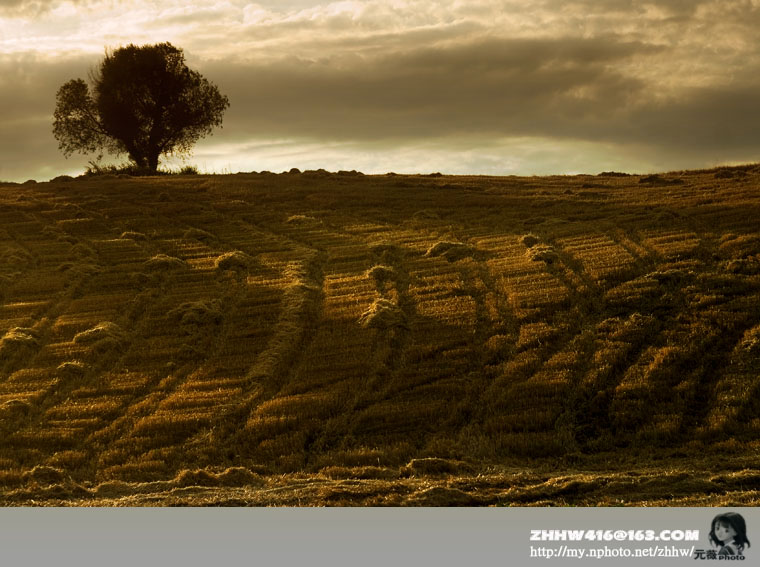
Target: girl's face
724, 532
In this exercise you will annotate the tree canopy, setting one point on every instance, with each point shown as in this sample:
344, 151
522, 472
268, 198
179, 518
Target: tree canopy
142, 101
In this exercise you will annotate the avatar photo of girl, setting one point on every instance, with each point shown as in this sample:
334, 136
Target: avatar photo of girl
728, 532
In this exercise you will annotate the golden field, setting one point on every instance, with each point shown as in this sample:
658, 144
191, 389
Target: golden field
326, 338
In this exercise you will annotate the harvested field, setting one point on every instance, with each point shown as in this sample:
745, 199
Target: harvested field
381, 340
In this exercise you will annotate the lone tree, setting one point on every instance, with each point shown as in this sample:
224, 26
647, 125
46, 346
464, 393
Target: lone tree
144, 102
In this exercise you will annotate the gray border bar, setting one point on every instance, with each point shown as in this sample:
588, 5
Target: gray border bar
336, 537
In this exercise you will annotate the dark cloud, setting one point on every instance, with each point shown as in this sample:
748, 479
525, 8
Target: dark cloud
707, 119
507, 87
565, 89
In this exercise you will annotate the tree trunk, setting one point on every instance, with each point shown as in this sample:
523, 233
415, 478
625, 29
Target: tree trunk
153, 161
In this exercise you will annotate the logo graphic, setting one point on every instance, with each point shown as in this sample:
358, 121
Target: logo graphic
728, 536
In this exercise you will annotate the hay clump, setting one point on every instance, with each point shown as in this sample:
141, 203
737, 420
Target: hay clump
439, 496
317, 173
19, 340
196, 478
529, 240
613, 174
72, 369
433, 466
383, 314
426, 214
164, 263
45, 475
673, 276
498, 343
239, 476
452, 251
198, 234
750, 342
20, 337
744, 266
197, 313
383, 248
236, 260
14, 255
362, 472
655, 179
651, 179
301, 219
62, 179
387, 252
542, 253
381, 274
84, 269
739, 247
82, 250
102, 332
15, 408
730, 173
132, 235
630, 330
188, 352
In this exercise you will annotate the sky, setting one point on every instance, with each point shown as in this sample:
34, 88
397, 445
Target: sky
494, 87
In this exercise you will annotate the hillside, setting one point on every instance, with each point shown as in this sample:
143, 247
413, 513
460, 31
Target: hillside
315, 338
